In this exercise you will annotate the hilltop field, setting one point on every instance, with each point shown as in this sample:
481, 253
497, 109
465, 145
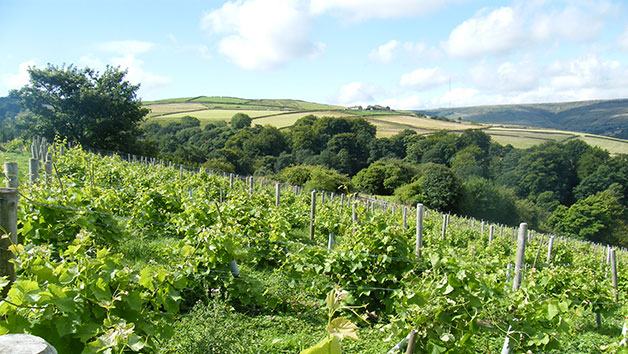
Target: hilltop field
505, 129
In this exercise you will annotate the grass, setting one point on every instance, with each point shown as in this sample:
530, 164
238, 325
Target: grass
614, 146
169, 108
288, 119
209, 115
22, 164
424, 123
219, 99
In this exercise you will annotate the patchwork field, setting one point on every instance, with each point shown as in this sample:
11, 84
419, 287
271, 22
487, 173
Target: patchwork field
284, 113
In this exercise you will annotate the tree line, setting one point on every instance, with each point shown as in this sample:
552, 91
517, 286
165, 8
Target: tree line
568, 188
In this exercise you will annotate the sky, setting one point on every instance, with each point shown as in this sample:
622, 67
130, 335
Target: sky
406, 54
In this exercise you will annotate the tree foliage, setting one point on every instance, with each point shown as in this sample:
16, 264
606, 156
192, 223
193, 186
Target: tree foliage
240, 121
597, 218
436, 187
97, 110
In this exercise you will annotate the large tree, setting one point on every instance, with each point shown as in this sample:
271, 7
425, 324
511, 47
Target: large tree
97, 110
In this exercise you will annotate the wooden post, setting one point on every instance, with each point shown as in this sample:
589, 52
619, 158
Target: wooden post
48, 170
549, 249
491, 232
33, 170
331, 242
312, 214
538, 252
342, 200
11, 173
411, 342
482, 229
444, 231
251, 185
419, 229
8, 230
180, 171
277, 193
231, 181
614, 273
521, 247
354, 214
521, 242
405, 216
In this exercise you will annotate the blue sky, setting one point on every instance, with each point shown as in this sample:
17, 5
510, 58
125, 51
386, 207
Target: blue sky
407, 54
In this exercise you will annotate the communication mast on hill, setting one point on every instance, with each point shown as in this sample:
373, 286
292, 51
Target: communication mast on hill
450, 92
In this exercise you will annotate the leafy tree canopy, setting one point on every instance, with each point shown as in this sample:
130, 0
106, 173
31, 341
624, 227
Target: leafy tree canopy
241, 120
97, 110
596, 218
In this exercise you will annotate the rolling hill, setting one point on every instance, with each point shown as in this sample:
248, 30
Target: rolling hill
519, 125
602, 117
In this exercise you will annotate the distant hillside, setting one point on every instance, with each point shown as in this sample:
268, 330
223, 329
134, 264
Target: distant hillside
604, 117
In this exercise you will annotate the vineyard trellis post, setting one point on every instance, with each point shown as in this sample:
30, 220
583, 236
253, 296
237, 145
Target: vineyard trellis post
411, 341
48, 171
614, 273
12, 174
491, 232
521, 244
354, 214
419, 229
33, 170
8, 229
312, 214
549, 249
405, 217
444, 231
277, 193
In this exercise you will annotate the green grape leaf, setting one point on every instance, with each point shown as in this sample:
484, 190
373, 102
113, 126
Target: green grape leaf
329, 345
342, 328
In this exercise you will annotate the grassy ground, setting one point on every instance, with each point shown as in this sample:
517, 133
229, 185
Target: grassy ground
210, 115
288, 119
22, 164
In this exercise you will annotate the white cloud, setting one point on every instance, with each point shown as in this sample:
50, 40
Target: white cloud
623, 40
355, 93
385, 53
262, 34
573, 23
125, 54
588, 73
359, 10
505, 77
421, 78
518, 27
21, 78
127, 47
92, 61
415, 49
497, 32
462, 96
201, 50
137, 74
408, 102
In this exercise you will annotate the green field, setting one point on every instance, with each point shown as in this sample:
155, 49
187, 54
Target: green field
210, 115
22, 163
284, 120
283, 113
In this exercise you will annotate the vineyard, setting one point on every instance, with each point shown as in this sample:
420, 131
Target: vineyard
121, 253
